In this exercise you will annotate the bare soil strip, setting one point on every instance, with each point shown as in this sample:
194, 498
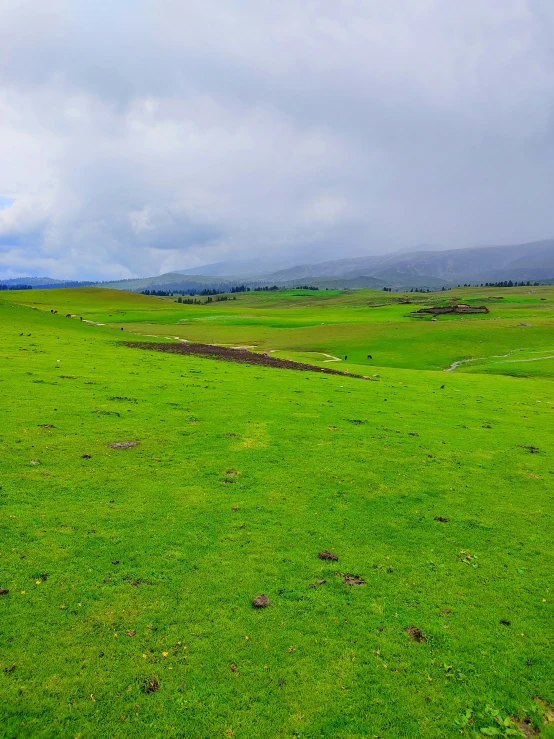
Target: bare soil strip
236, 355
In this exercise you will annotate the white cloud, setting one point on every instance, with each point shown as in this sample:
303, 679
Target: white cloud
142, 137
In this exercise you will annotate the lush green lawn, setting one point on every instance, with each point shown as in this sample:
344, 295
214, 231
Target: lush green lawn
240, 477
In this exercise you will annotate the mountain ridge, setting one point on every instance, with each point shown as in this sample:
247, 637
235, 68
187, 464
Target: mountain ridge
426, 268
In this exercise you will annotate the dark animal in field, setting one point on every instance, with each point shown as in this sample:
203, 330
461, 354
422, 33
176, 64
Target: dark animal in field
369, 356
68, 315
346, 357
81, 318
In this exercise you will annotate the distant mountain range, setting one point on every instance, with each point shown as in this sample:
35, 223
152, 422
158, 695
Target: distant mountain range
400, 271
533, 261
45, 282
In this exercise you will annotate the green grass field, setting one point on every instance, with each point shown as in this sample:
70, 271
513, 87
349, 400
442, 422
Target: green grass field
131, 571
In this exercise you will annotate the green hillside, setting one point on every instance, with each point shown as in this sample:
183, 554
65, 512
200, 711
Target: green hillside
130, 571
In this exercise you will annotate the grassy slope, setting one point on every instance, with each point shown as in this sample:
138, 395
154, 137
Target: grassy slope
352, 324
305, 477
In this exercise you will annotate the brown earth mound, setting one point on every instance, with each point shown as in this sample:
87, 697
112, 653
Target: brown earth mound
460, 308
261, 601
236, 355
415, 633
123, 444
328, 555
354, 580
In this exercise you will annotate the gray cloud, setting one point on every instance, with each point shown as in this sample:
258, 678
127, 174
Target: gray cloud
142, 137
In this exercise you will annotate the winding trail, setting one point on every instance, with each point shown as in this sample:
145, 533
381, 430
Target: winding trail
483, 359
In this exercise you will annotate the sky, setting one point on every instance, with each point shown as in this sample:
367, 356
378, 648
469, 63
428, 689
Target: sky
142, 137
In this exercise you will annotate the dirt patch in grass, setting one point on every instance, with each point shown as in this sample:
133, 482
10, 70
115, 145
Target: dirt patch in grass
150, 686
461, 308
442, 519
546, 709
328, 556
261, 601
525, 726
237, 355
416, 634
354, 580
123, 444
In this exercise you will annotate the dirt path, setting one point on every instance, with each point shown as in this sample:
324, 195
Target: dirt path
237, 355
483, 359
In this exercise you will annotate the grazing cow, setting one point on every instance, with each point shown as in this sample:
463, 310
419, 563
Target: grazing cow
369, 356
346, 357
68, 315
81, 317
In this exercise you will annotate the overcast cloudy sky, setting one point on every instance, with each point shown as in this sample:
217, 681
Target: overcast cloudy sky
140, 137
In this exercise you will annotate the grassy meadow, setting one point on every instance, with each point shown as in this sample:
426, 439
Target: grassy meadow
131, 571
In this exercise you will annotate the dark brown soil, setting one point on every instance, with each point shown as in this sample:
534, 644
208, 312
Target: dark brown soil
86, 456
380, 628
4, 591
525, 726
46, 426
532, 449
446, 610
115, 561
319, 582
237, 355
328, 555
441, 519
505, 623
131, 632
261, 601
150, 686
354, 580
123, 444
461, 308
233, 667
415, 633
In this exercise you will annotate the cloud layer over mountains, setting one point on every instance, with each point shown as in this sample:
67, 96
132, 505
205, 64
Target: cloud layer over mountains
143, 137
